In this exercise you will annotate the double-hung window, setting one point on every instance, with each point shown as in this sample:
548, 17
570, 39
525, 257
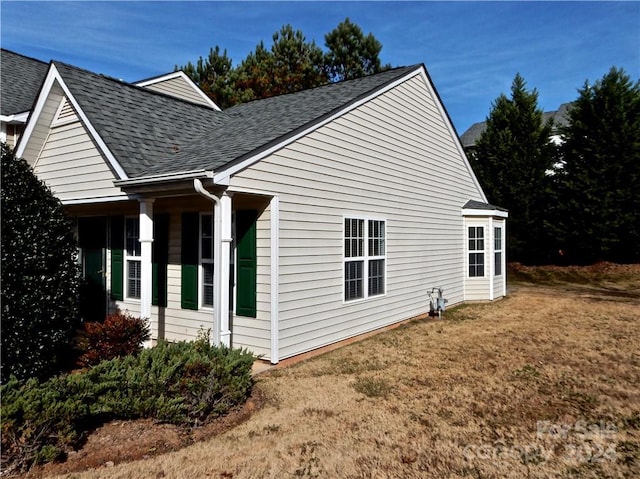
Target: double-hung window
132, 258
476, 251
364, 258
497, 248
206, 259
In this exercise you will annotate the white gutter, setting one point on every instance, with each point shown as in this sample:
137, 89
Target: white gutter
479, 212
221, 249
16, 118
145, 180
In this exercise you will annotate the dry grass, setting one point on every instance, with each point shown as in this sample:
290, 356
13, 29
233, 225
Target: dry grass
541, 384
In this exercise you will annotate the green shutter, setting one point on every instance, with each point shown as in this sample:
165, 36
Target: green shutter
247, 263
189, 260
117, 257
160, 259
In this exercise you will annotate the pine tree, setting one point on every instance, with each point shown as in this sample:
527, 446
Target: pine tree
512, 160
40, 275
351, 54
600, 183
214, 75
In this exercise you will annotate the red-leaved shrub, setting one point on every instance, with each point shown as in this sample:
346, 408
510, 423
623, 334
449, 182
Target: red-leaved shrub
119, 335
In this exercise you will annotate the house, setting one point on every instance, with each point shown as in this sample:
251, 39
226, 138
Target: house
281, 225
20, 80
560, 118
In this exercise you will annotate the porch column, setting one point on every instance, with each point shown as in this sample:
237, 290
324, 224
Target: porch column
146, 241
225, 258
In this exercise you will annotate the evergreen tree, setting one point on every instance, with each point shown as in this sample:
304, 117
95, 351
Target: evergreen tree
600, 181
513, 159
39, 275
351, 54
297, 64
291, 65
214, 75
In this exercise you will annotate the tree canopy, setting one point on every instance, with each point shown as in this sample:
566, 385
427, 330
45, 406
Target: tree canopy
290, 64
599, 201
577, 202
511, 159
350, 53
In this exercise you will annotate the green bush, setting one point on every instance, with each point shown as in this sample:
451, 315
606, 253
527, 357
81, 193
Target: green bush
181, 383
119, 335
40, 276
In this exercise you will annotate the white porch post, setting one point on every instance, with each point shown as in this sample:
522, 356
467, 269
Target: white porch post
225, 257
146, 241
275, 277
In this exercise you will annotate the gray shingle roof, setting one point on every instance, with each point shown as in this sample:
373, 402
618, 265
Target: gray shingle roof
20, 81
250, 128
471, 136
479, 205
154, 134
140, 127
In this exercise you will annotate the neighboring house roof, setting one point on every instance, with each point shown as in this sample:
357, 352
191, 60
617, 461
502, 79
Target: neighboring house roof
470, 137
151, 133
20, 81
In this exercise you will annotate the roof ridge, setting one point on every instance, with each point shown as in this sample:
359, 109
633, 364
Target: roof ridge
24, 56
329, 84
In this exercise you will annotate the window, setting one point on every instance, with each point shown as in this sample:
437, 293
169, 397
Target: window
476, 251
364, 259
206, 259
497, 248
132, 257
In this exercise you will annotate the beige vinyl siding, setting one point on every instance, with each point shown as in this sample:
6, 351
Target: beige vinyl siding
393, 159
178, 87
72, 166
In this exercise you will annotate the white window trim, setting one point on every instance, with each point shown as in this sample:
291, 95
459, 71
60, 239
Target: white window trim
127, 258
202, 261
495, 250
365, 259
470, 251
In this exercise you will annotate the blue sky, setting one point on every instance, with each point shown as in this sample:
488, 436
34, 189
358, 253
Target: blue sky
472, 50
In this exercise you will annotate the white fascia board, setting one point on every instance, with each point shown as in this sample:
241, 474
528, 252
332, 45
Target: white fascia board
223, 176
37, 110
52, 77
147, 180
15, 118
103, 199
184, 76
452, 132
485, 213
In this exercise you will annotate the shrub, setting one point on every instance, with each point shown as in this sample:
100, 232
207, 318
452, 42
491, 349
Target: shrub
182, 383
40, 276
119, 335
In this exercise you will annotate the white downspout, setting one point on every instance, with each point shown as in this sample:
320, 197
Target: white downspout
221, 333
